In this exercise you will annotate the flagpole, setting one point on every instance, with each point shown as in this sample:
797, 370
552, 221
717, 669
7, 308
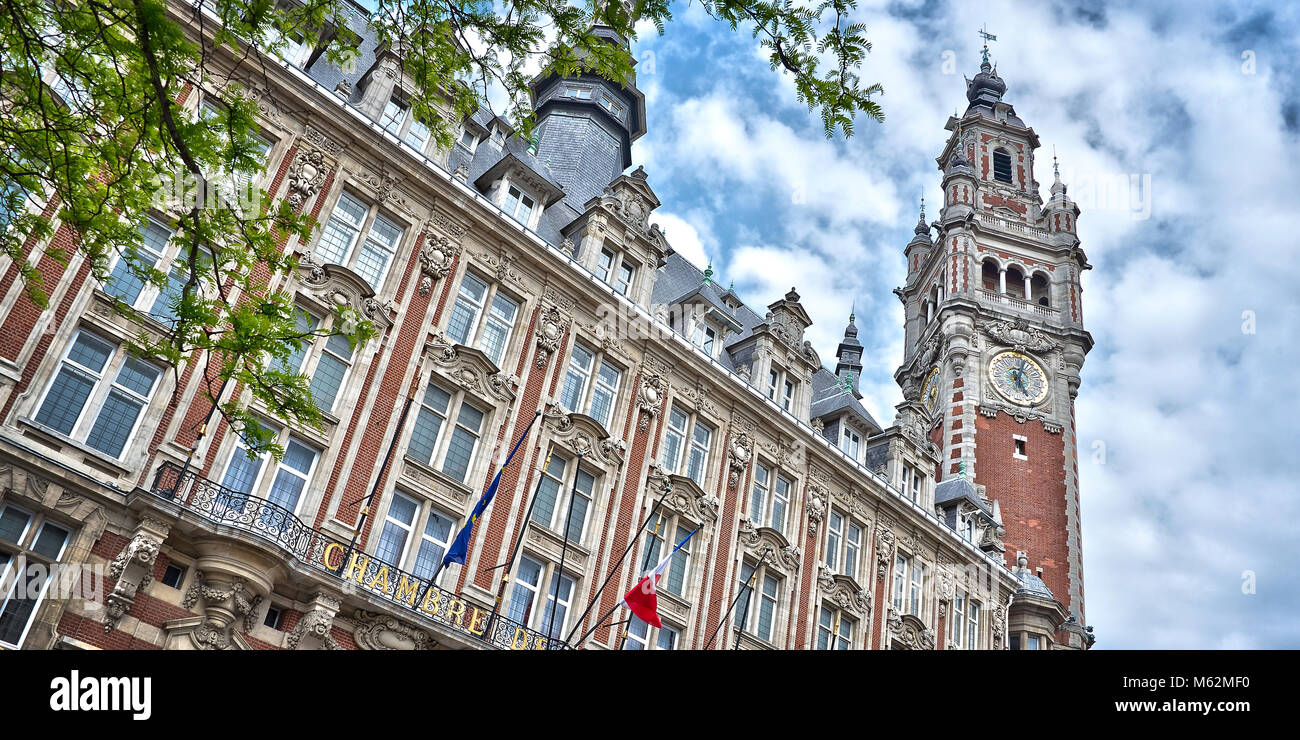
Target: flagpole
623, 602
658, 523
383, 467
564, 551
737, 599
467, 531
614, 568
744, 618
514, 550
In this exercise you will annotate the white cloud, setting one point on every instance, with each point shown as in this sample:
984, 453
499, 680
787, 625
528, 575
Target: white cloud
1195, 488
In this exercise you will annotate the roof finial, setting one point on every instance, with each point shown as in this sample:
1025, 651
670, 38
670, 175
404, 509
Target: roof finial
987, 38
708, 273
1056, 167
961, 469
923, 206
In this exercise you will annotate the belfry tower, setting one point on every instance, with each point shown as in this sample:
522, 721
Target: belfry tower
994, 340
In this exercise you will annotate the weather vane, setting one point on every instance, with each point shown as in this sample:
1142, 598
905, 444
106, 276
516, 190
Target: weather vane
987, 38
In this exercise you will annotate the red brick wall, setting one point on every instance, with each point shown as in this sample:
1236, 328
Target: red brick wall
1031, 493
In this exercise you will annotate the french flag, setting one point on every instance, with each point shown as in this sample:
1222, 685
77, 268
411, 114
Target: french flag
643, 599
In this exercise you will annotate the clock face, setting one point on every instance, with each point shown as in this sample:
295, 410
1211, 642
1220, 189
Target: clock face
1018, 378
930, 391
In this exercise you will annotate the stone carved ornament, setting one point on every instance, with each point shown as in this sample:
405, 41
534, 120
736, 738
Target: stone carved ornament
317, 623
470, 369
133, 569
884, 551
550, 330
1019, 335
382, 632
739, 454
306, 174
436, 258
685, 499
650, 394
233, 595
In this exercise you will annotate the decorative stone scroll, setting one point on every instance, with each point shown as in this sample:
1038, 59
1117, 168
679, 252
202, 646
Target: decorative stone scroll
313, 629
133, 568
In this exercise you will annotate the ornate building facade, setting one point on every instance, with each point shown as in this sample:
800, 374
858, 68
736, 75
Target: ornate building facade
514, 280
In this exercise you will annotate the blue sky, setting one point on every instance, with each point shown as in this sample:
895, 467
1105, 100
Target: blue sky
1187, 472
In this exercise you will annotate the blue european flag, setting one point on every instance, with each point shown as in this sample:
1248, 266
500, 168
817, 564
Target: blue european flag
459, 549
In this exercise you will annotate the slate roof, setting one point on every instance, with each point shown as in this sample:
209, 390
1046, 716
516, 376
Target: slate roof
953, 490
677, 279
829, 397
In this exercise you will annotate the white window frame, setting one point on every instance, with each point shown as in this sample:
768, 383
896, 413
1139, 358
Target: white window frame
782, 387
268, 468
591, 382
482, 314
840, 635
844, 544
105, 383
418, 533
406, 123
908, 593
361, 238
611, 265
688, 444
541, 595
753, 618
524, 207
21, 553
450, 422
653, 637
565, 491
762, 508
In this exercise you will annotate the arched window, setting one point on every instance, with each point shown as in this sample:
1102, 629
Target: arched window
1001, 165
989, 276
1015, 283
1040, 290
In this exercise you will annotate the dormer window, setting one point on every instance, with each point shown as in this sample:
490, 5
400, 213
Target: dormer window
399, 121
498, 136
1001, 165
296, 51
781, 387
577, 93
851, 443
967, 528
469, 140
704, 337
611, 105
519, 205
616, 271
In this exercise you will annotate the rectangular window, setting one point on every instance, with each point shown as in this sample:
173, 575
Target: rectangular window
851, 443
624, 281
1020, 448
675, 438
957, 625
525, 607
519, 205
902, 564
575, 381
918, 589
787, 397
342, 232
393, 117
428, 424
25, 589
767, 608
605, 393
469, 326
397, 529
973, 624
834, 535
701, 436
852, 548
678, 567
758, 502
834, 630
464, 438
128, 287
98, 394
551, 509
331, 369
704, 337
615, 271
434, 542
469, 140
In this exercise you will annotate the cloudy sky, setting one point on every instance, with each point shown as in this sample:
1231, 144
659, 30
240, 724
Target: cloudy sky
1188, 480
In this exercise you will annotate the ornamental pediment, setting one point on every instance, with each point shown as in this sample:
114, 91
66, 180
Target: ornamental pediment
843, 591
470, 369
332, 287
765, 541
683, 495
583, 435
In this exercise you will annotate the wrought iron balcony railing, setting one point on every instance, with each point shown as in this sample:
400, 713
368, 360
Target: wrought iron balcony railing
341, 560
